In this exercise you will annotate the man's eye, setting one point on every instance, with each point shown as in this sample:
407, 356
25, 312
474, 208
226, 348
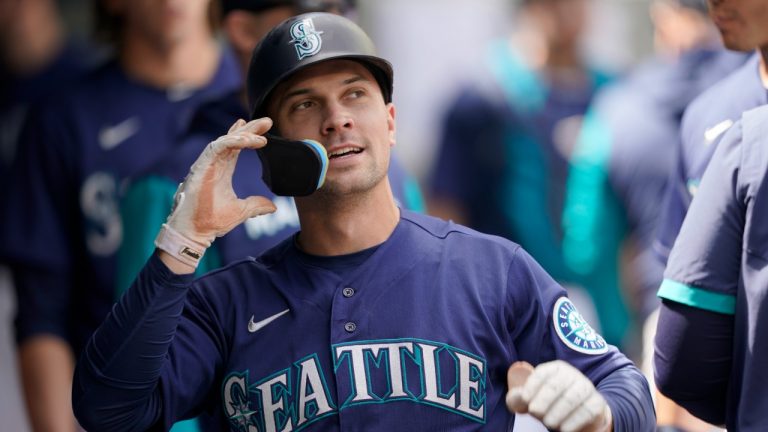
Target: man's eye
356, 94
302, 105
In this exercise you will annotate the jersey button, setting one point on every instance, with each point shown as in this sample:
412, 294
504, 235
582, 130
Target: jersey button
348, 292
350, 327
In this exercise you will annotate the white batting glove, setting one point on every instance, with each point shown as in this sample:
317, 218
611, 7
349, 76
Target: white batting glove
205, 204
559, 395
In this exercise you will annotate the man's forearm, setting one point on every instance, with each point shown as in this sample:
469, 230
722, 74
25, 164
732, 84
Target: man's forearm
115, 383
626, 392
46, 364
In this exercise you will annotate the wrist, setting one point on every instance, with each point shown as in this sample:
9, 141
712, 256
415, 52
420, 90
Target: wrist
178, 248
174, 265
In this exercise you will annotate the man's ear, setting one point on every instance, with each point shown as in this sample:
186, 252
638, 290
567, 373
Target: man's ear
391, 123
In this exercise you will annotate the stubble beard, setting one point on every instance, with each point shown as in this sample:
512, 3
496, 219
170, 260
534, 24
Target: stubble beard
350, 185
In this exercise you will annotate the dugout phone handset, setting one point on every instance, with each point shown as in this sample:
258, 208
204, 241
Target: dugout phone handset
292, 167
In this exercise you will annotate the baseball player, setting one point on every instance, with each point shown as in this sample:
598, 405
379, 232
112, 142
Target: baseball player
148, 197
742, 24
370, 317
710, 355
626, 150
62, 227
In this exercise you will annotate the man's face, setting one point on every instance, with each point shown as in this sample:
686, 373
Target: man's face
339, 103
166, 22
743, 24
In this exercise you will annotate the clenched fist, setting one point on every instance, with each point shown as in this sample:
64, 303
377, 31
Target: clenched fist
559, 395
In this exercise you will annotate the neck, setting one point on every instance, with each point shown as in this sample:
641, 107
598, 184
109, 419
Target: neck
764, 66
191, 61
563, 58
343, 225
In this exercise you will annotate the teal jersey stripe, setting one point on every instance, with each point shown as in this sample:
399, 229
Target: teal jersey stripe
697, 297
413, 196
186, 426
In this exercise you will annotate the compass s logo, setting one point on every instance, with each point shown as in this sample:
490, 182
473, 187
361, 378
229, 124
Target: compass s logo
574, 330
305, 38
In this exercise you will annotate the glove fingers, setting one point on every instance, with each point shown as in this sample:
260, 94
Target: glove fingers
545, 386
233, 215
537, 378
590, 413
238, 124
258, 205
569, 401
222, 147
258, 126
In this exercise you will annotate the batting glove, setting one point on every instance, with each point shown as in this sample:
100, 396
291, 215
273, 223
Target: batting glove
205, 204
559, 395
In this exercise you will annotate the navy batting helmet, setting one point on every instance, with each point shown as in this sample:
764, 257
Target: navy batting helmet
304, 40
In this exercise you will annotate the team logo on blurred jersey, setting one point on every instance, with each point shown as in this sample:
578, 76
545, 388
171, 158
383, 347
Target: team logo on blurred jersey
574, 330
306, 39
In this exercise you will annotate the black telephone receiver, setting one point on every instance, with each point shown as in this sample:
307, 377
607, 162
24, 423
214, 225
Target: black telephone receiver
292, 168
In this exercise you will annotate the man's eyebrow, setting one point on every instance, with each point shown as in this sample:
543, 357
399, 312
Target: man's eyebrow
304, 91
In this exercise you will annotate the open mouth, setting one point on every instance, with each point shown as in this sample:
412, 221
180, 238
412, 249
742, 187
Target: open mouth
349, 151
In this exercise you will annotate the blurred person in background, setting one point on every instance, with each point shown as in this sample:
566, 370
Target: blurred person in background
743, 25
712, 293
37, 56
62, 228
507, 139
710, 354
624, 156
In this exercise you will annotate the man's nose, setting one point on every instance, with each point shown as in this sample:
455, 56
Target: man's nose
337, 118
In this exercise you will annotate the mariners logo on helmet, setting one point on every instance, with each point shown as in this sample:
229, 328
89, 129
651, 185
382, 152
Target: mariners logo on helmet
306, 39
574, 330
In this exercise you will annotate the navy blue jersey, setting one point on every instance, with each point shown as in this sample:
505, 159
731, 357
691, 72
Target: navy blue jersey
719, 261
704, 122
63, 227
414, 334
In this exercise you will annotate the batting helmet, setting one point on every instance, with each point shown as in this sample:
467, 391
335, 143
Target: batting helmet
304, 40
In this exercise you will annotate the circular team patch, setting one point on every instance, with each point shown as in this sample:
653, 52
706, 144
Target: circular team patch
574, 330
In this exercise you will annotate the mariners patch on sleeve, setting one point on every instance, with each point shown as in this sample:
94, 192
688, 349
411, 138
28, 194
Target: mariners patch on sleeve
574, 330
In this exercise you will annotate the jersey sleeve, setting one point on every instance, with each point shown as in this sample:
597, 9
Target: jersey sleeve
547, 326
147, 363
39, 224
703, 268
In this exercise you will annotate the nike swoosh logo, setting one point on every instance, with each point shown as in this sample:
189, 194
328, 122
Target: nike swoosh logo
112, 136
711, 134
253, 327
